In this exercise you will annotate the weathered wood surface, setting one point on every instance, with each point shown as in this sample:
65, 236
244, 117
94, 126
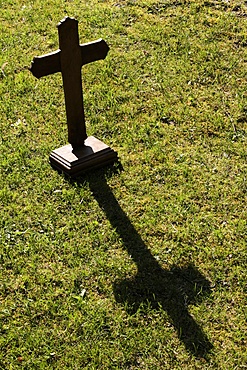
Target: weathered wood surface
69, 60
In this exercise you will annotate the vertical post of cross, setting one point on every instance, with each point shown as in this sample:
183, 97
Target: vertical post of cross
71, 63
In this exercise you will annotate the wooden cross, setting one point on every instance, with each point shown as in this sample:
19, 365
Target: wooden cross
83, 153
69, 60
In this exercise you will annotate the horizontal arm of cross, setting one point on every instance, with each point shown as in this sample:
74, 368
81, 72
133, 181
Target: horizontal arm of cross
92, 51
50, 63
46, 64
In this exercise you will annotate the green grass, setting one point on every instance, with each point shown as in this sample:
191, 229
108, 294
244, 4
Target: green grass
142, 267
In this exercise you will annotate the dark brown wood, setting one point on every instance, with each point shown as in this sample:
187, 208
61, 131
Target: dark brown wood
71, 63
50, 63
69, 60
83, 153
46, 64
92, 51
74, 162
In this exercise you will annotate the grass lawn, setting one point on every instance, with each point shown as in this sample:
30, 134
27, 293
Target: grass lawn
143, 265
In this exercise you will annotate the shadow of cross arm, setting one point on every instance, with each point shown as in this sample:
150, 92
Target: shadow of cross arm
172, 290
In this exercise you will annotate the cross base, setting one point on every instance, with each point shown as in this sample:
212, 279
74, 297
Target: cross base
92, 155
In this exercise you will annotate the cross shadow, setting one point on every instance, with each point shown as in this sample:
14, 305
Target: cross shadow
154, 287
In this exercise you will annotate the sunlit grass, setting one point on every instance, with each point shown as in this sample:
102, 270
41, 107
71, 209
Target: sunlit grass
141, 267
